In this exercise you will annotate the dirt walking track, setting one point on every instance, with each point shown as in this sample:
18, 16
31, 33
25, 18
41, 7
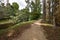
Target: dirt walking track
35, 32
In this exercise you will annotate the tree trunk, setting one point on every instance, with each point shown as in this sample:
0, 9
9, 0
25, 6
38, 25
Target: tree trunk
44, 10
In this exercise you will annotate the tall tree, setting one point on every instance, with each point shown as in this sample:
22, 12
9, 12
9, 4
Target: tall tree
35, 9
57, 11
44, 10
15, 6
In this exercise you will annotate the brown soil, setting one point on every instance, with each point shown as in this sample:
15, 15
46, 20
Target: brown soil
34, 31
53, 33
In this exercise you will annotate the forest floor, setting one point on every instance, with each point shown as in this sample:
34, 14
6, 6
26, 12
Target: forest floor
33, 31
